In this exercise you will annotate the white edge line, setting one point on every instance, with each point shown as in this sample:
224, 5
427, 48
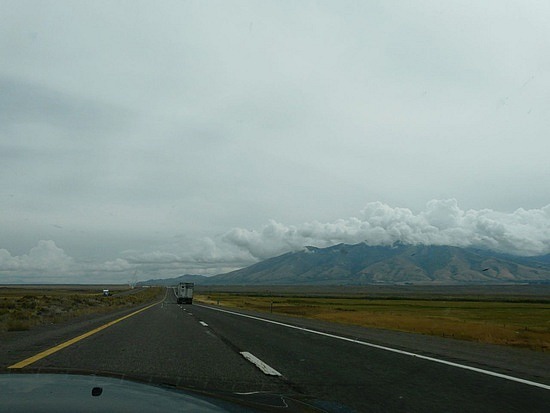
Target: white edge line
394, 350
203, 323
270, 371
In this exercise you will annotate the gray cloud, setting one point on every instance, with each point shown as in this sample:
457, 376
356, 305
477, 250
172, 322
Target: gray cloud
24, 102
133, 134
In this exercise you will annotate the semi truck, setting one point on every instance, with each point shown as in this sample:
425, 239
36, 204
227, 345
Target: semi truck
184, 293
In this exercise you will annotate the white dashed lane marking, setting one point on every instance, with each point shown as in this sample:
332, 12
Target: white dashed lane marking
270, 371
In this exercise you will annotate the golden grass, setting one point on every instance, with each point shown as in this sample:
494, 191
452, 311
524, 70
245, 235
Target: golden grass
24, 308
521, 324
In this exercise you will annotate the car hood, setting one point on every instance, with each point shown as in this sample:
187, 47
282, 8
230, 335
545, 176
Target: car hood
47, 392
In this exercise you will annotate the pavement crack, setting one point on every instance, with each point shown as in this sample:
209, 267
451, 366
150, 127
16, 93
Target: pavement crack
287, 384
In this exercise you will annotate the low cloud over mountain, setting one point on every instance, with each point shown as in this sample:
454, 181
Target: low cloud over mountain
442, 222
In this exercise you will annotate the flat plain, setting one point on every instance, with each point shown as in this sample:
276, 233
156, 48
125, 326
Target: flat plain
23, 307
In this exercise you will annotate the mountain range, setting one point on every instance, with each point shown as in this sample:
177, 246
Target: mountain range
361, 264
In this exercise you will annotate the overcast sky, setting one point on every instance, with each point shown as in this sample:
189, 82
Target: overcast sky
152, 139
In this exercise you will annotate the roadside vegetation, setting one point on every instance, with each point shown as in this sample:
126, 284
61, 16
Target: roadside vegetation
24, 308
520, 323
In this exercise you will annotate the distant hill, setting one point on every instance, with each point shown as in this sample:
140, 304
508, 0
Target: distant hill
187, 278
361, 264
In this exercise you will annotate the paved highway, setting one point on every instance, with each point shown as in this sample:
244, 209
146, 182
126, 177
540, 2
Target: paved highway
208, 348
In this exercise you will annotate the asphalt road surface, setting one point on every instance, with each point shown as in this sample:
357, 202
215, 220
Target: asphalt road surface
204, 347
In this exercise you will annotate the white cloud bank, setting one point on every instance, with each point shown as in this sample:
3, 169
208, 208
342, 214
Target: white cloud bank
442, 222
47, 263
46, 256
522, 232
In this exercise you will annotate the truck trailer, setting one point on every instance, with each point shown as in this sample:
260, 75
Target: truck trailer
184, 293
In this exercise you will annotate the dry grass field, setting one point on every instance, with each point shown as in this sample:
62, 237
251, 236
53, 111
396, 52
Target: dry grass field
515, 322
22, 308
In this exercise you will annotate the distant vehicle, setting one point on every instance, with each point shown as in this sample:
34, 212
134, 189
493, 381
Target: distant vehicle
184, 293
106, 293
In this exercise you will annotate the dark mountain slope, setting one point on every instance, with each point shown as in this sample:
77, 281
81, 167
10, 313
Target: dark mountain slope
363, 264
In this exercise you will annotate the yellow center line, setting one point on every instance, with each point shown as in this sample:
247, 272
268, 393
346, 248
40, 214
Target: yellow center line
70, 342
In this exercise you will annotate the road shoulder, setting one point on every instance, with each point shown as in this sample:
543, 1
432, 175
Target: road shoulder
524, 363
